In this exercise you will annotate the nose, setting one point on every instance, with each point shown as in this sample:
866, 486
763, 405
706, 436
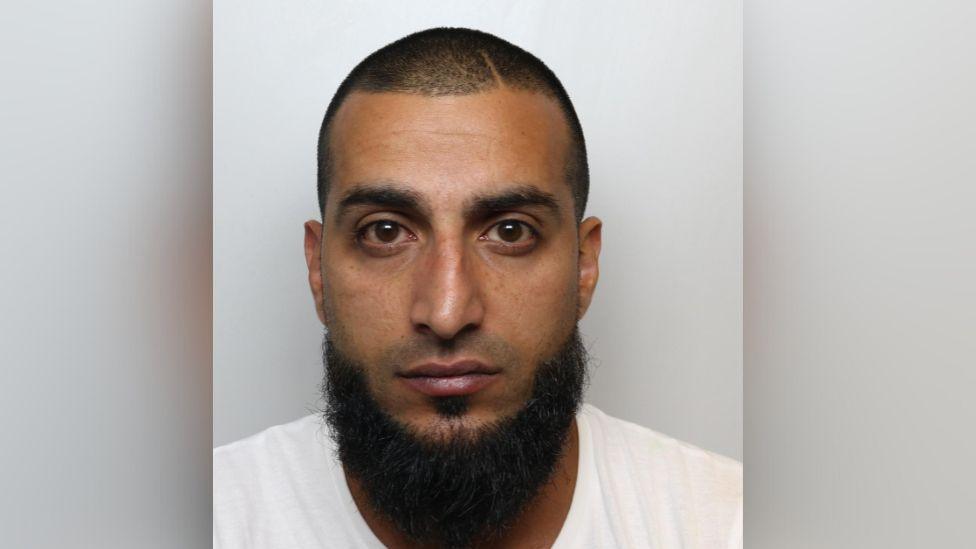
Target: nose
447, 298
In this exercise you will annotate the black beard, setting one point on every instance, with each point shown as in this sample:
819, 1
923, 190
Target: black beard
458, 490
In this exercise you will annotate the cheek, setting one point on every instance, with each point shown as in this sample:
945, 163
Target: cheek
365, 309
534, 305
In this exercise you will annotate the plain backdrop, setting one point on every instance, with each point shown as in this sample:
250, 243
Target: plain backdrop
860, 271
105, 275
658, 88
859, 265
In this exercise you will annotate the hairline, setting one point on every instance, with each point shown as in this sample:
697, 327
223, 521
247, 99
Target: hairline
498, 84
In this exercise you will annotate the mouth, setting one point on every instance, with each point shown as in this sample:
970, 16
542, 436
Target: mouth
455, 379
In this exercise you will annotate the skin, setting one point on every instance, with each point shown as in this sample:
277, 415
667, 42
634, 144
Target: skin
445, 283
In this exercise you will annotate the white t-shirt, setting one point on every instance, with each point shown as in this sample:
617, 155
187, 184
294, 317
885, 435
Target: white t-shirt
284, 488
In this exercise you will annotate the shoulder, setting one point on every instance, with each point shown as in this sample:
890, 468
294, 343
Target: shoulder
622, 439
268, 476
278, 442
275, 452
700, 491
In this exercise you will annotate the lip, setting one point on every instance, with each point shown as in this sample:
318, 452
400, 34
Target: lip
464, 377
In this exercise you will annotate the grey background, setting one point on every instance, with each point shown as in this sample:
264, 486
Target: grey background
860, 270
105, 275
657, 86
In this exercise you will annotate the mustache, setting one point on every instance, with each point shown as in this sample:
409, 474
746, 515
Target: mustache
485, 347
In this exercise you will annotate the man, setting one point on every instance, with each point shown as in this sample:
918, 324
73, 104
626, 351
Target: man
450, 269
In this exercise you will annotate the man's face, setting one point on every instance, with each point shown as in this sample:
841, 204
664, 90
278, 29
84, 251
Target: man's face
451, 261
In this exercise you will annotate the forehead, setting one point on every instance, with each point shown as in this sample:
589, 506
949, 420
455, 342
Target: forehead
450, 147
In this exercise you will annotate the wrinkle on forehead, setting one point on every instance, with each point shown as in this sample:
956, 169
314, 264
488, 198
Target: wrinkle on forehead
499, 111
438, 132
432, 150
479, 139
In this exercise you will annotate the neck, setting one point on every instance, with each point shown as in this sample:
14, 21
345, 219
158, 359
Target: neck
538, 525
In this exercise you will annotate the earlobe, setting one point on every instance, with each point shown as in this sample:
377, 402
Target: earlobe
313, 255
590, 241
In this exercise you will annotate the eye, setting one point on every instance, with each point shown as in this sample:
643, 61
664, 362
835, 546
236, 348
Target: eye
511, 232
383, 233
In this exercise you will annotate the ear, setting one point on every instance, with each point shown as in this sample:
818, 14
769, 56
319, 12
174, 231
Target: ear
313, 258
590, 240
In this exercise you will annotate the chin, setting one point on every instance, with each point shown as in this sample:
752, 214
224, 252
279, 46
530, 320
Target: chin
448, 421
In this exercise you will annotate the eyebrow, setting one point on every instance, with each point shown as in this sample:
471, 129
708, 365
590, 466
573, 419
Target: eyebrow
391, 195
386, 195
520, 196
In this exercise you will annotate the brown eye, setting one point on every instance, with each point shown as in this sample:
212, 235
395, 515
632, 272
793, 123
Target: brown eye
386, 231
510, 231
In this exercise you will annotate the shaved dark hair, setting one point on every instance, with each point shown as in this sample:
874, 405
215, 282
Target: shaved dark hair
457, 61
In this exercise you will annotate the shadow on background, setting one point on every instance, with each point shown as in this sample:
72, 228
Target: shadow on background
105, 235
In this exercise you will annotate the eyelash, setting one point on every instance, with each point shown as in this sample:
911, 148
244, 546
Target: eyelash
360, 233
533, 234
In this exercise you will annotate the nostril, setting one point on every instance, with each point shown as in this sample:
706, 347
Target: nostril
445, 337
